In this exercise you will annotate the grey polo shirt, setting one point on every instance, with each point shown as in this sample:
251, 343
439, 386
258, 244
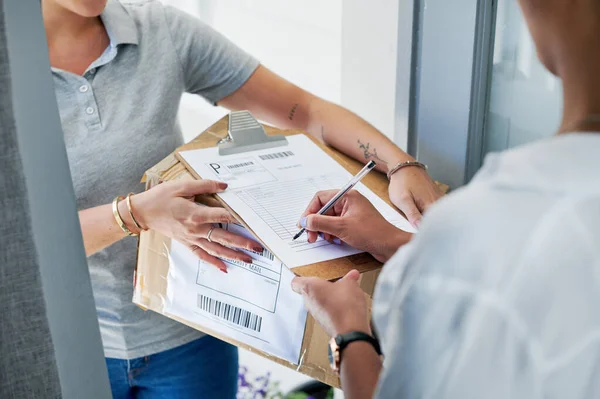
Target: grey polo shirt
119, 119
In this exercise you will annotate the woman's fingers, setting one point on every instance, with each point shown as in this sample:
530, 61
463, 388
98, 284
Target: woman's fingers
225, 238
317, 202
331, 238
230, 239
206, 257
212, 253
192, 188
206, 215
313, 237
219, 251
409, 207
314, 205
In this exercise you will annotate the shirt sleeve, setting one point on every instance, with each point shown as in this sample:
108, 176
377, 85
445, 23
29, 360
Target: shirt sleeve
438, 336
212, 65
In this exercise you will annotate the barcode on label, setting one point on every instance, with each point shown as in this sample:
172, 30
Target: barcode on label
276, 155
267, 254
240, 165
264, 254
230, 313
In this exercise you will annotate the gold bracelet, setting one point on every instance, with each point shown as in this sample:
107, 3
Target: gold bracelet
128, 201
115, 209
401, 165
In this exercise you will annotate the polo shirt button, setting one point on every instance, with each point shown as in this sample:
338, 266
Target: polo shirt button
89, 110
84, 88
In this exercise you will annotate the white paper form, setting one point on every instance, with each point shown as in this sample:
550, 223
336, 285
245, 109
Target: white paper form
271, 188
252, 303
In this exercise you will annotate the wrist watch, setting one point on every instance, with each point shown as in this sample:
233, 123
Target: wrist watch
338, 343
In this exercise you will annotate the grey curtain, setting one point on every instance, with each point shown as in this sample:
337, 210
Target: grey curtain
27, 362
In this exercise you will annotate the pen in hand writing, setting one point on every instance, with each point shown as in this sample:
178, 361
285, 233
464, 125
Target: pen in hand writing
353, 182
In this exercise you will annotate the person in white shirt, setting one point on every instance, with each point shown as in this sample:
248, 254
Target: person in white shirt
497, 295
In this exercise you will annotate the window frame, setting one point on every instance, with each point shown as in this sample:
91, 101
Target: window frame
451, 82
64, 274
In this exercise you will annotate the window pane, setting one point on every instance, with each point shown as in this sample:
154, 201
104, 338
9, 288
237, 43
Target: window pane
525, 99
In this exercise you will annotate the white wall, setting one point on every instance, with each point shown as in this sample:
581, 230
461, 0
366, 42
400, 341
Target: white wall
356, 53
299, 41
376, 59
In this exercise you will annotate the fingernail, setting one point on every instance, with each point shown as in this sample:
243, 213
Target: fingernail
303, 221
249, 260
295, 286
337, 241
223, 185
224, 270
258, 249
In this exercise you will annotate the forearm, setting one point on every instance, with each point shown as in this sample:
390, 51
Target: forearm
352, 135
99, 227
360, 369
283, 104
345, 131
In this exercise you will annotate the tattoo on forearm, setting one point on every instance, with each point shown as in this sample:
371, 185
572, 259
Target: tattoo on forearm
370, 152
292, 112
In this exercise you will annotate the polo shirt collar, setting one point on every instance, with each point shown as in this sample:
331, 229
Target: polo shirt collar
119, 24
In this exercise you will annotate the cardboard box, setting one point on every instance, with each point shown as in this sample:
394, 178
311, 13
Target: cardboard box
153, 263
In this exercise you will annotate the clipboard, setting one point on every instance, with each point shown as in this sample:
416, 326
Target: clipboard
245, 133
150, 285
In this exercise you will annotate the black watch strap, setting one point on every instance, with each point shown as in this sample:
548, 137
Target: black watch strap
343, 340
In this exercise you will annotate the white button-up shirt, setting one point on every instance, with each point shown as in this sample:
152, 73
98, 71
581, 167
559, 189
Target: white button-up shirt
498, 296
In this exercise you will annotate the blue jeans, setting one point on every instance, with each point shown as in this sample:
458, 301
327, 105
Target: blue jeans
206, 368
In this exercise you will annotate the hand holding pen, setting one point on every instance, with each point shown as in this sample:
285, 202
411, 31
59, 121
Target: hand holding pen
354, 221
344, 190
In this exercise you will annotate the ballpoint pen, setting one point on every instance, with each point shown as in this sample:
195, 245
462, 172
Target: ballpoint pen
353, 182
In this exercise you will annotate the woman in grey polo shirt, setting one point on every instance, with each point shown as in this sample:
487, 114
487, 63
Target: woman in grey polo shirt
119, 71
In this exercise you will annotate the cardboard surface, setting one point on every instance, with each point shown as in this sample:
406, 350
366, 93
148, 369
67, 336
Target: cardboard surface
153, 262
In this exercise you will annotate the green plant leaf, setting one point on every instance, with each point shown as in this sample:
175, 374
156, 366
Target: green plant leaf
296, 395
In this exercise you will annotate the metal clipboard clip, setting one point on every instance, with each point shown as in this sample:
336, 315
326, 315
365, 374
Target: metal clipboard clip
246, 134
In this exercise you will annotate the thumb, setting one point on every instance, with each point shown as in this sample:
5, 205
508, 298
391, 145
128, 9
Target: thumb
411, 211
352, 275
196, 187
324, 224
298, 284
306, 285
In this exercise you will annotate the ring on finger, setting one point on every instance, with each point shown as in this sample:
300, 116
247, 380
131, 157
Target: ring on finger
209, 234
